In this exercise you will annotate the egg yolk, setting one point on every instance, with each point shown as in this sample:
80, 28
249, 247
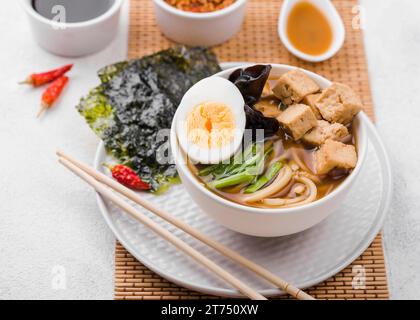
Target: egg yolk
210, 125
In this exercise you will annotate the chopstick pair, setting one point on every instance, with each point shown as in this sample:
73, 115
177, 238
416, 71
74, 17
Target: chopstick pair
101, 182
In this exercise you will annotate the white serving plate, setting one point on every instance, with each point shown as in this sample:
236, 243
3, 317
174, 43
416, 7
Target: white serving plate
304, 259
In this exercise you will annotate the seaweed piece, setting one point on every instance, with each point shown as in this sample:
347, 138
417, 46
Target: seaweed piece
133, 108
250, 82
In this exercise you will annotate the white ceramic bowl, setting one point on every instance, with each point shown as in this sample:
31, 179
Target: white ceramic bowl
268, 222
339, 32
200, 29
74, 39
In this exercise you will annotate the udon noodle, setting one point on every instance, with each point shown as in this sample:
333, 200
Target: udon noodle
295, 185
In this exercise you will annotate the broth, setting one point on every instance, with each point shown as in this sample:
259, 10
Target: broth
308, 29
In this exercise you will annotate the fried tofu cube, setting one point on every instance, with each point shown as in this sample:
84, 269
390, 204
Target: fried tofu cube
324, 131
339, 103
297, 119
293, 86
310, 100
334, 154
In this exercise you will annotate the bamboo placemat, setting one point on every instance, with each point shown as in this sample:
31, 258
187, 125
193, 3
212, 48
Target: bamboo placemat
258, 42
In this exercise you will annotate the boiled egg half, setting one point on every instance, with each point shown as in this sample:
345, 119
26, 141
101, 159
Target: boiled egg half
211, 121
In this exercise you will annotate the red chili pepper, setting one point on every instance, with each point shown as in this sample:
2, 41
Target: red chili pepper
52, 93
127, 177
39, 79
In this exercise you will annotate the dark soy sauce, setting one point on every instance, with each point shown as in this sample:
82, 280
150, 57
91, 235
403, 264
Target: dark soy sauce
75, 10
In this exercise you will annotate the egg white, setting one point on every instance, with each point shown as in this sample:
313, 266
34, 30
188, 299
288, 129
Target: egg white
218, 90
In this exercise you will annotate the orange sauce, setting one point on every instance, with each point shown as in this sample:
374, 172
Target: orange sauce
308, 29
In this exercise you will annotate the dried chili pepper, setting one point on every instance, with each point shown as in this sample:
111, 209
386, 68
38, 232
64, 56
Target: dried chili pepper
39, 79
52, 93
127, 177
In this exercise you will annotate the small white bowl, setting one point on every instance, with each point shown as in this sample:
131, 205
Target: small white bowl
74, 39
268, 222
200, 29
330, 12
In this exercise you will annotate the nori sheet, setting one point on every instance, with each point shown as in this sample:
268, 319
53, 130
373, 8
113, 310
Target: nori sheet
137, 99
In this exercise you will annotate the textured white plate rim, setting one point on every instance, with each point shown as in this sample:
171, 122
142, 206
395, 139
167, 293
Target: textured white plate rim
374, 140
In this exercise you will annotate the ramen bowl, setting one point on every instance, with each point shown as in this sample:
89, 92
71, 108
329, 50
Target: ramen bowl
269, 222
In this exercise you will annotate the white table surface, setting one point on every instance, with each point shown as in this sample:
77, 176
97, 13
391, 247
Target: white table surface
49, 220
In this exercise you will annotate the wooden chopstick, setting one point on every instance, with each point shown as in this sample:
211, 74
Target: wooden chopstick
259, 270
161, 231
